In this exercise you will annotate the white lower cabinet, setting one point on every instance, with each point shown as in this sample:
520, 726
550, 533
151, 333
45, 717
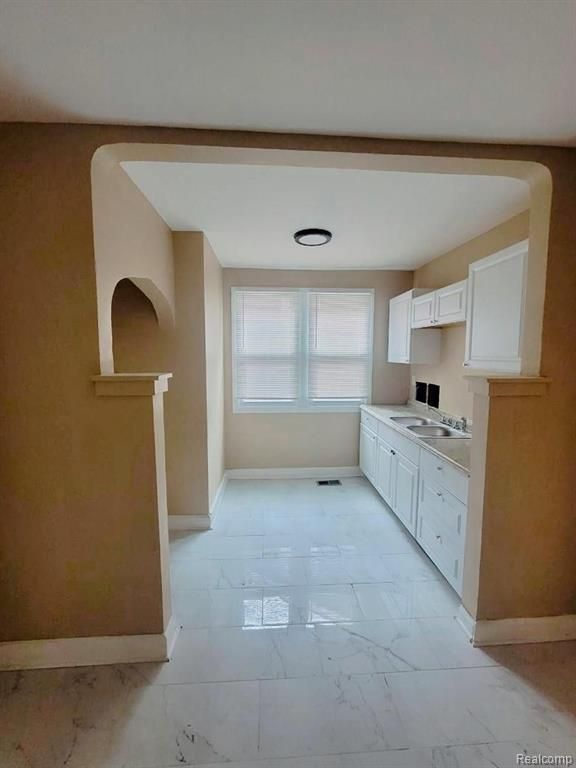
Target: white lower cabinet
406, 496
368, 453
427, 493
385, 466
441, 529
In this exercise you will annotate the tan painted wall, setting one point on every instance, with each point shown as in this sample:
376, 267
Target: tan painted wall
192, 351
186, 431
131, 240
79, 530
214, 342
194, 408
450, 268
320, 439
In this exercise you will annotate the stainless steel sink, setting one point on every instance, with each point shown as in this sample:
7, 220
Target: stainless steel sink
410, 421
435, 430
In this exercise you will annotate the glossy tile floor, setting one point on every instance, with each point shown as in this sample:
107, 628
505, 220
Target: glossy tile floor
316, 635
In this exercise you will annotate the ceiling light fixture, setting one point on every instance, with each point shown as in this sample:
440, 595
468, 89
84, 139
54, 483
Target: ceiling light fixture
312, 237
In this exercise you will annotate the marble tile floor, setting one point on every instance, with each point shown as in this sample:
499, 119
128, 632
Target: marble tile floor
316, 634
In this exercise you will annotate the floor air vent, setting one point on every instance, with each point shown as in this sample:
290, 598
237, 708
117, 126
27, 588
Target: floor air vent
328, 482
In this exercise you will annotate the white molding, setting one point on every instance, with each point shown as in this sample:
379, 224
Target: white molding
465, 621
189, 522
219, 493
293, 473
171, 634
198, 522
88, 651
540, 629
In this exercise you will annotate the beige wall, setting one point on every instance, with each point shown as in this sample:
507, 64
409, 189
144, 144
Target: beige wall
450, 268
195, 418
186, 429
79, 527
131, 240
192, 351
214, 342
257, 440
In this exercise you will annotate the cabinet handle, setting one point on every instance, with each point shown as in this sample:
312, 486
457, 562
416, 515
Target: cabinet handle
438, 536
439, 469
440, 494
393, 453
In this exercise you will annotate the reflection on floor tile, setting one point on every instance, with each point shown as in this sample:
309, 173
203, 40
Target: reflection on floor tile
316, 635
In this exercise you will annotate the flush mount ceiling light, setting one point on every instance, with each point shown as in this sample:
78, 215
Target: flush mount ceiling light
312, 237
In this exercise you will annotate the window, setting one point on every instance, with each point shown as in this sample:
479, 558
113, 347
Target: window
301, 349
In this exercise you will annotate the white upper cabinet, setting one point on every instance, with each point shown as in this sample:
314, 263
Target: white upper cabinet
450, 305
442, 307
496, 298
423, 310
406, 345
399, 328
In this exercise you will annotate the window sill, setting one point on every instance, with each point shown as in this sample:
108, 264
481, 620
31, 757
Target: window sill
308, 411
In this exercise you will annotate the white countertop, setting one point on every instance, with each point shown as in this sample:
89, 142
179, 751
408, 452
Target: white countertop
454, 450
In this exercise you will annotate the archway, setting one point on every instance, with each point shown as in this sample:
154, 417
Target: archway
107, 170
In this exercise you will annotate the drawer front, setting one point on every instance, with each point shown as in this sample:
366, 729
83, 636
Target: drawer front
369, 421
445, 510
447, 559
445, 474
399, 443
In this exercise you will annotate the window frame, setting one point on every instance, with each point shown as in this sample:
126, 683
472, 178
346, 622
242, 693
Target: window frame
302, 404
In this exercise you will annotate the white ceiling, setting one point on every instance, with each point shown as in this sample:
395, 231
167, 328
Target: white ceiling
381, 220
487, 70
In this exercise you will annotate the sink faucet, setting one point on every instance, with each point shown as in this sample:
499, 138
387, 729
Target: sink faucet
460, 424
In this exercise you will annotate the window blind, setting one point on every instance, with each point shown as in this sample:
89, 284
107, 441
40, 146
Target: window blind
266, 345
339, 346
301, 349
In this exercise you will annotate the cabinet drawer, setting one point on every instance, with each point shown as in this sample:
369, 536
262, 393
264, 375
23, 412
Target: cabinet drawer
445, 511
399, 443
369, 421
447, 558
445, 474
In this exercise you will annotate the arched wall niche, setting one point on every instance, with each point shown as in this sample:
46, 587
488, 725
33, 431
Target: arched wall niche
140, 317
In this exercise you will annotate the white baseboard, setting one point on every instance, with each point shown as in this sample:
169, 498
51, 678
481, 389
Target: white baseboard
466, 622
219, 493
293, 473
171, 634
89, 651
189, 522
198, 522
540, 629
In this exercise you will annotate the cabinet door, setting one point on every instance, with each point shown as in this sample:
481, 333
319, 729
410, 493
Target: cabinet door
451, 304
385, 465
496, 295
441, 528
399, 329
368, 453
406, 492
423, 310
